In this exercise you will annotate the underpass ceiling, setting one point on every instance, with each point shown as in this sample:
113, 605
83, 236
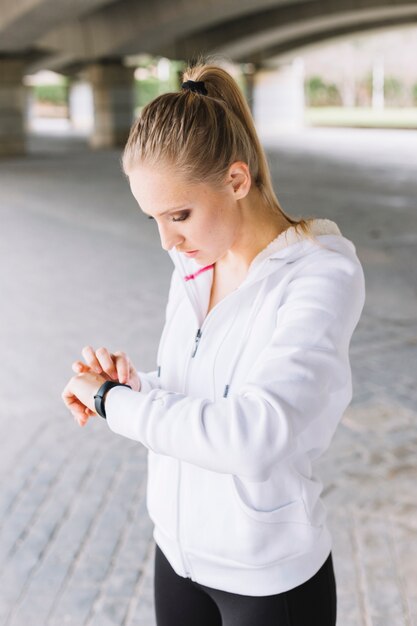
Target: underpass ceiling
65, 35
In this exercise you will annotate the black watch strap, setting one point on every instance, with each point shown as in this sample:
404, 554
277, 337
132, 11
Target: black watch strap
99, 397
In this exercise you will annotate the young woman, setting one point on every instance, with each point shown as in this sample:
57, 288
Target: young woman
252, 376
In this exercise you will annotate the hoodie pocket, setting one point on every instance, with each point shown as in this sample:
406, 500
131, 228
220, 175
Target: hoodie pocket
292, 512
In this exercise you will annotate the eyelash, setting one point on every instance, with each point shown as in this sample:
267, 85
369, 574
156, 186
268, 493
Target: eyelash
181, 219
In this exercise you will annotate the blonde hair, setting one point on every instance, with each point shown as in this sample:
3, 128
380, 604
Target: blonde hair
200, 136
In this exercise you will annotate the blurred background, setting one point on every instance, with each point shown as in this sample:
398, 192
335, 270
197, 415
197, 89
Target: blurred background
359, 80
333, 92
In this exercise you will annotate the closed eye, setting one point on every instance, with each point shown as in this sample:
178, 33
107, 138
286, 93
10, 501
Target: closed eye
182, 218
178, 219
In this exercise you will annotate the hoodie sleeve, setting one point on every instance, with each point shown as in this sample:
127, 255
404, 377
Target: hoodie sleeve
148, 381
292, 385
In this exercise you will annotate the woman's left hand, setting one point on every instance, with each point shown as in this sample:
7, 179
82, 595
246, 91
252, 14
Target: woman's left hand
79, 394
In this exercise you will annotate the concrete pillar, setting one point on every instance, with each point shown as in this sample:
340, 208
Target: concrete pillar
113, 96
279, 98
81, 107
378, 84
12, 107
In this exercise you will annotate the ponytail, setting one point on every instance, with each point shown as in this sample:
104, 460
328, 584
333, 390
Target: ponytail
200, 135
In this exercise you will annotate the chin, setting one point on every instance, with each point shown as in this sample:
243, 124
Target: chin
204, 260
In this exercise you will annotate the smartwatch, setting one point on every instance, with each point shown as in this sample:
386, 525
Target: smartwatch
100, 395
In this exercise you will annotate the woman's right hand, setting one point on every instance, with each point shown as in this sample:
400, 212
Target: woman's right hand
113, 366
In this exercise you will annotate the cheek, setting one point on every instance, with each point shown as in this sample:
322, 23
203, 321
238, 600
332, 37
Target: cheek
215, 236
218, 228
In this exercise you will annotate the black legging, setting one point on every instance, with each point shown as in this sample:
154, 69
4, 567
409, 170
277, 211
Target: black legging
180, 601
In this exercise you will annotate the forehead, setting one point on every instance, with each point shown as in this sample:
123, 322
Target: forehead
161, 189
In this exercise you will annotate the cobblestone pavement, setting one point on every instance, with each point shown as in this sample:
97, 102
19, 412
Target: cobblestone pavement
81, 265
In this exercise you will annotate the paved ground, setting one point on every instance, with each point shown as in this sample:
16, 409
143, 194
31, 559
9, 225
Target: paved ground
76, 543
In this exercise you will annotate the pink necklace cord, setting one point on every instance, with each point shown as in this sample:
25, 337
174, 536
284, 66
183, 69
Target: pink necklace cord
203, 269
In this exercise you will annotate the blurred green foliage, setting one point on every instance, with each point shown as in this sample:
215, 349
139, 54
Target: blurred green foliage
54, 94
394, 91
319, 93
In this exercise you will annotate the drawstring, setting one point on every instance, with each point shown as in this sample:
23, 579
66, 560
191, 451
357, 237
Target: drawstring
253, 312
162, 342
202, 269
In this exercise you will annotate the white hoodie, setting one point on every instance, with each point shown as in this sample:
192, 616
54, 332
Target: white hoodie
241, 404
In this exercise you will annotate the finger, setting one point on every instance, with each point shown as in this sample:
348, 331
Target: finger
79, 366
91, 359
82, 418
87, 414
122, 366
77, 409
72, 403
81, 421
106, 362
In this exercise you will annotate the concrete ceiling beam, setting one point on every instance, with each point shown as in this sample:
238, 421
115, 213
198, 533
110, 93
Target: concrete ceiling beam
22, 23
268, 32
249, 31
268, 56
128, 27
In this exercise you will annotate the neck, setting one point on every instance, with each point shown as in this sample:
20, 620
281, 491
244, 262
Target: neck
258, 226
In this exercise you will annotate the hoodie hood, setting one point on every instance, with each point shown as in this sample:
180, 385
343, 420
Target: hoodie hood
286, 248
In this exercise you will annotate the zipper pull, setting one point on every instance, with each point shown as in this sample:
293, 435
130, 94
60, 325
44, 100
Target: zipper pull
196, 340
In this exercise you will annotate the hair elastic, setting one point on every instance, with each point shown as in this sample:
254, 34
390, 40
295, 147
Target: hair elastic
197, 86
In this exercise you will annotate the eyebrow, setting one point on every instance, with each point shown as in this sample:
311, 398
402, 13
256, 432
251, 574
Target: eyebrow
174, 208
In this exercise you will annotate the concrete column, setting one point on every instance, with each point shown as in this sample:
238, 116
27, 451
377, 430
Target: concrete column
81, 107
113, 98
279, 99
378, 84
12, 107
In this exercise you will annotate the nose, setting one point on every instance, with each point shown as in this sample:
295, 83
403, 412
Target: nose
169, 239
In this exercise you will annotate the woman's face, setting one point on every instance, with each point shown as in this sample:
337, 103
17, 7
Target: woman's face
189, 217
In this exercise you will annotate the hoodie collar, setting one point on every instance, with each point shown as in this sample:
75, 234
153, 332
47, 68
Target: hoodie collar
285, 248
282, 247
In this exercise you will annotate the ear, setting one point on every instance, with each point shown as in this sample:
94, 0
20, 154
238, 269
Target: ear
240, 179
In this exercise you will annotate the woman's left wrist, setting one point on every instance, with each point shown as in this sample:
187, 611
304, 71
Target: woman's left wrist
100, 395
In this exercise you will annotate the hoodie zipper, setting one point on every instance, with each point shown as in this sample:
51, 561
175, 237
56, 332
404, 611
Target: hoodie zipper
183, 558
199, 332
197, 339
